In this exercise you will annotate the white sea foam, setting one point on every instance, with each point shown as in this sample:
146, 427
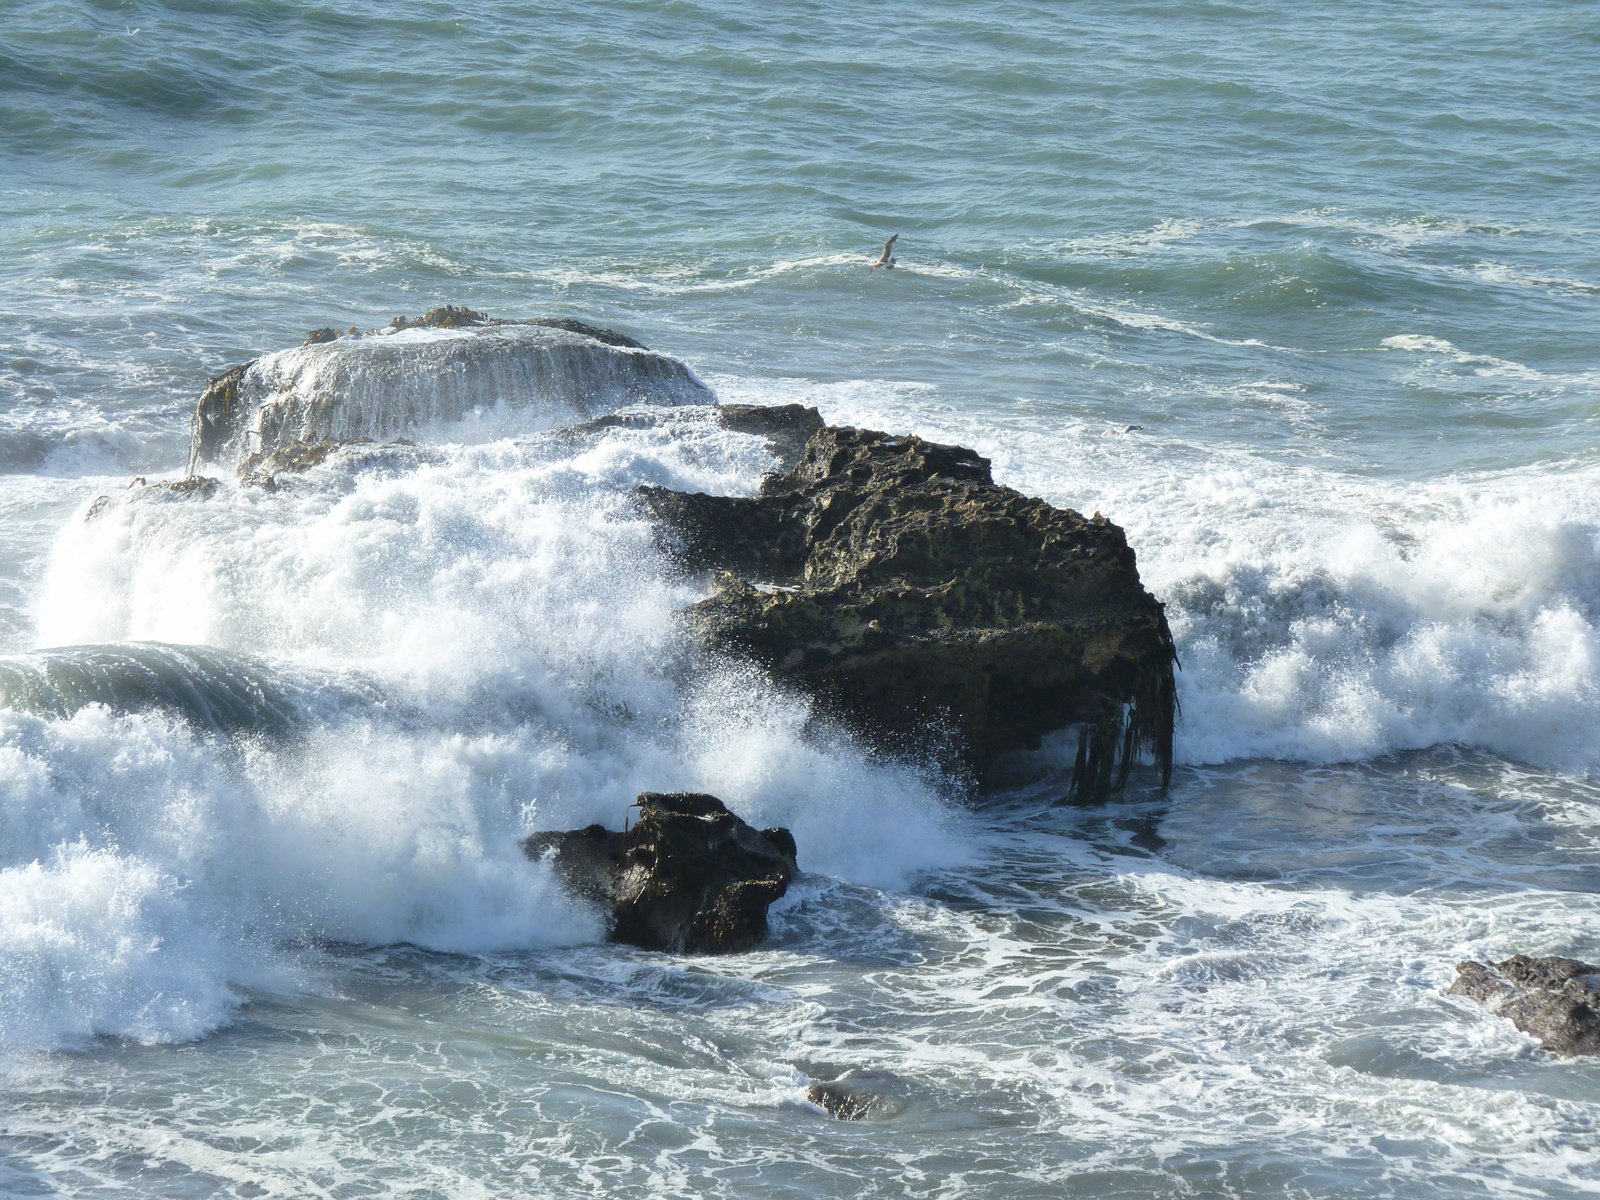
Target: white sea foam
150, 873
691, 279
515, 612
1319, 614
1482, 364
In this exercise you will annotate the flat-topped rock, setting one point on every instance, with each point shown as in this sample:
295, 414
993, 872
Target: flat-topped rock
437, 369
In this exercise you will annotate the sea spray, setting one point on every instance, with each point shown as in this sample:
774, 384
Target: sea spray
509, 631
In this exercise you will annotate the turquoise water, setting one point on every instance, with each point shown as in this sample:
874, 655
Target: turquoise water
1303, 296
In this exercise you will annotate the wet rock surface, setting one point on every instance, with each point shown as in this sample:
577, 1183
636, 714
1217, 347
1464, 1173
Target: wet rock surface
895, 580
1556, 1000
267, 471
686, 876
861, 1096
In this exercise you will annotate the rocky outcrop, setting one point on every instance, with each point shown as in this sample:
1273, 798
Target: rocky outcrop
686, 876
440, 367
291, 458
1557, 1000
895, 580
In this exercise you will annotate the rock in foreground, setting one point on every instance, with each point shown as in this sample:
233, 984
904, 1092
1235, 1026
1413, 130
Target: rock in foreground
687, 876
1557, 1000
895, 580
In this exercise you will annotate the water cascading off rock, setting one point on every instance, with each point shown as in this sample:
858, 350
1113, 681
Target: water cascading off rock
439, 368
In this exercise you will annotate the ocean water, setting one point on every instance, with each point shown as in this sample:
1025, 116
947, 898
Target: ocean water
1303, 296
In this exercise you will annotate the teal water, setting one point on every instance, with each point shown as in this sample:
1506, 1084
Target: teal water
1303, 296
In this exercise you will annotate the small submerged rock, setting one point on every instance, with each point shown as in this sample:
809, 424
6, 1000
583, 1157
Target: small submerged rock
861, 1096
191, 487
1557, 1000
294, 458
687, 876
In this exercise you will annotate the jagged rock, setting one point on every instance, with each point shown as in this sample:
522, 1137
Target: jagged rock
336, 388
894, 579
860, 1096
449, 316
456, 316
609, 337
687, 876
1557, 1000
218, 415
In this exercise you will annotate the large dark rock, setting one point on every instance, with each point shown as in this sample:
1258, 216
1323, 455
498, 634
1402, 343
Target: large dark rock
687, 876
894, 579
390, 382
1557, 1000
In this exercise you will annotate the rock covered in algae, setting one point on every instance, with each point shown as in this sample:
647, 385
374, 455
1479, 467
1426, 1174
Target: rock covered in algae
686, 876
391, 382
895, 580
1557, 1000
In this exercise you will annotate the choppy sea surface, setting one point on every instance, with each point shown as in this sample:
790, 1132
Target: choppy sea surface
1303, 296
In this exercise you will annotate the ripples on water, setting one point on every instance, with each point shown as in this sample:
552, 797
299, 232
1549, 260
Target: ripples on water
1336, 264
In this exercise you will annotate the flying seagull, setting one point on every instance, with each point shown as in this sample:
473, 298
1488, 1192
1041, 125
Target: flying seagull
886, 259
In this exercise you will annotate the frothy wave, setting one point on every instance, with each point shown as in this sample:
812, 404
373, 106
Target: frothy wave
518, 630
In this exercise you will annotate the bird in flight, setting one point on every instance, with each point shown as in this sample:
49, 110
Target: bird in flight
886, 259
